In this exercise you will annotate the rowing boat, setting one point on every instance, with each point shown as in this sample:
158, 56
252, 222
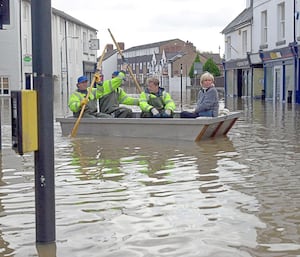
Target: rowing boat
175, 128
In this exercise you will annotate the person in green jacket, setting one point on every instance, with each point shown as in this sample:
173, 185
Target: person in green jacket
112, 95
78, 99
155, 102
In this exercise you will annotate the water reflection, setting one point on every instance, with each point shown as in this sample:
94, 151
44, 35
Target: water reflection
46, 250
151, 197
108, 158
4, 245
269, 143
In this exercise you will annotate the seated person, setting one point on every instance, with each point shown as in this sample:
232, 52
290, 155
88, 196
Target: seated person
78, 99
112, 95
155, 102
208, 99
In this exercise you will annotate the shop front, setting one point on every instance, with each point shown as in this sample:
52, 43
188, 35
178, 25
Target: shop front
280, 74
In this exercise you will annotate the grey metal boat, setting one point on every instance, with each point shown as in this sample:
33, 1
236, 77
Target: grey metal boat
175, 128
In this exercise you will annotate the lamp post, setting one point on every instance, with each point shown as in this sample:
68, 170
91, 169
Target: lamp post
65, 41
181, 86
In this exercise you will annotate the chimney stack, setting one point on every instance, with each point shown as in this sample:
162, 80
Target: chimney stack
109, 48
121, 45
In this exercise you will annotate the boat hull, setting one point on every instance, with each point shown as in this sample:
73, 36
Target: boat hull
175, 128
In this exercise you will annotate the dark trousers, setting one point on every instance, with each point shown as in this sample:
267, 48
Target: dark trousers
122, 112
193, 115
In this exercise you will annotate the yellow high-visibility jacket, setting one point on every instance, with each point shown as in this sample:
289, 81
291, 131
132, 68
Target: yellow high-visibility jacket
161, 101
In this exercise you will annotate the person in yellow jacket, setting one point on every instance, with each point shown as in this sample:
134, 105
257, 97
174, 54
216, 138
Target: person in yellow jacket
78, 99
155, 102
112, 95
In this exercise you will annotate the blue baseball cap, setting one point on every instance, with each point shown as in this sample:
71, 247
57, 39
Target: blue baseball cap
82, 79
115, 74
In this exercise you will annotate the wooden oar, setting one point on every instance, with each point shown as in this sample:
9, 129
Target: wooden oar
75, 128
123, 58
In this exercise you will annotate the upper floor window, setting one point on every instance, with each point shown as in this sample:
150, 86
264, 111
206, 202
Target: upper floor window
77, 31
62, 26
244, 42
264, 27
5, 13
70, 29
281, 21
228, 47
85, 42
26, 13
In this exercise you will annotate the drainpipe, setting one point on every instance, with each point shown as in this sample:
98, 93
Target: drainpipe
296, 57
294, 49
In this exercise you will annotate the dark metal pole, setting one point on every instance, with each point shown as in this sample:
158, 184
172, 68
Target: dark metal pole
66, 52
296, 70
181, 87
43, 84
61, 79
0, 129
294, 21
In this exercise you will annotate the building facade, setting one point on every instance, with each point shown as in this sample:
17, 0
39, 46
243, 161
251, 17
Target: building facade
261, 51
73, 49
166, 60
170, 61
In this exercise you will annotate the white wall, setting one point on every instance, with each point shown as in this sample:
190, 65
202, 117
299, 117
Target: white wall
271, 7
73, 36
109, 66
16, 43
236, 45
10, 61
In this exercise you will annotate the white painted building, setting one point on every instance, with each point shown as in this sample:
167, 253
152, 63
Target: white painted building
238, 43
74, 49
261, 55
10, 51
274, 29
110, 60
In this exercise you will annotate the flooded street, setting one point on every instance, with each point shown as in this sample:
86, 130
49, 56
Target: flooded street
237, 196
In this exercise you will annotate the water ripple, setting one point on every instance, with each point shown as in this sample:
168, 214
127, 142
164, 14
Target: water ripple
235, 196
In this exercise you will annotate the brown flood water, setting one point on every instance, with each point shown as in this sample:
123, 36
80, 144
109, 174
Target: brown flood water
234, 196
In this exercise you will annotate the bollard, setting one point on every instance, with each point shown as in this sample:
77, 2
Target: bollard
263, 95
290, 96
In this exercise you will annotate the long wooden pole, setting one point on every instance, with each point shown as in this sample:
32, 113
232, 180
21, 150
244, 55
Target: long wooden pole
123, 58
75, 128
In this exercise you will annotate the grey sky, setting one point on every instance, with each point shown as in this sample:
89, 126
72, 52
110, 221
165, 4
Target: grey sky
137, 22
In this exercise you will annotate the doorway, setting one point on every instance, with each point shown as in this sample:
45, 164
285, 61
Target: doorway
277, 86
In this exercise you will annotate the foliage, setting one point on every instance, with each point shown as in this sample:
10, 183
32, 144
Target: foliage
211, 67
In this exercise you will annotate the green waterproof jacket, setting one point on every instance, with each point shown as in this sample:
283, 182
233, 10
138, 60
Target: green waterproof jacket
112, 96
161, 101
110, 102
75, 101
109, 86
91, 107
